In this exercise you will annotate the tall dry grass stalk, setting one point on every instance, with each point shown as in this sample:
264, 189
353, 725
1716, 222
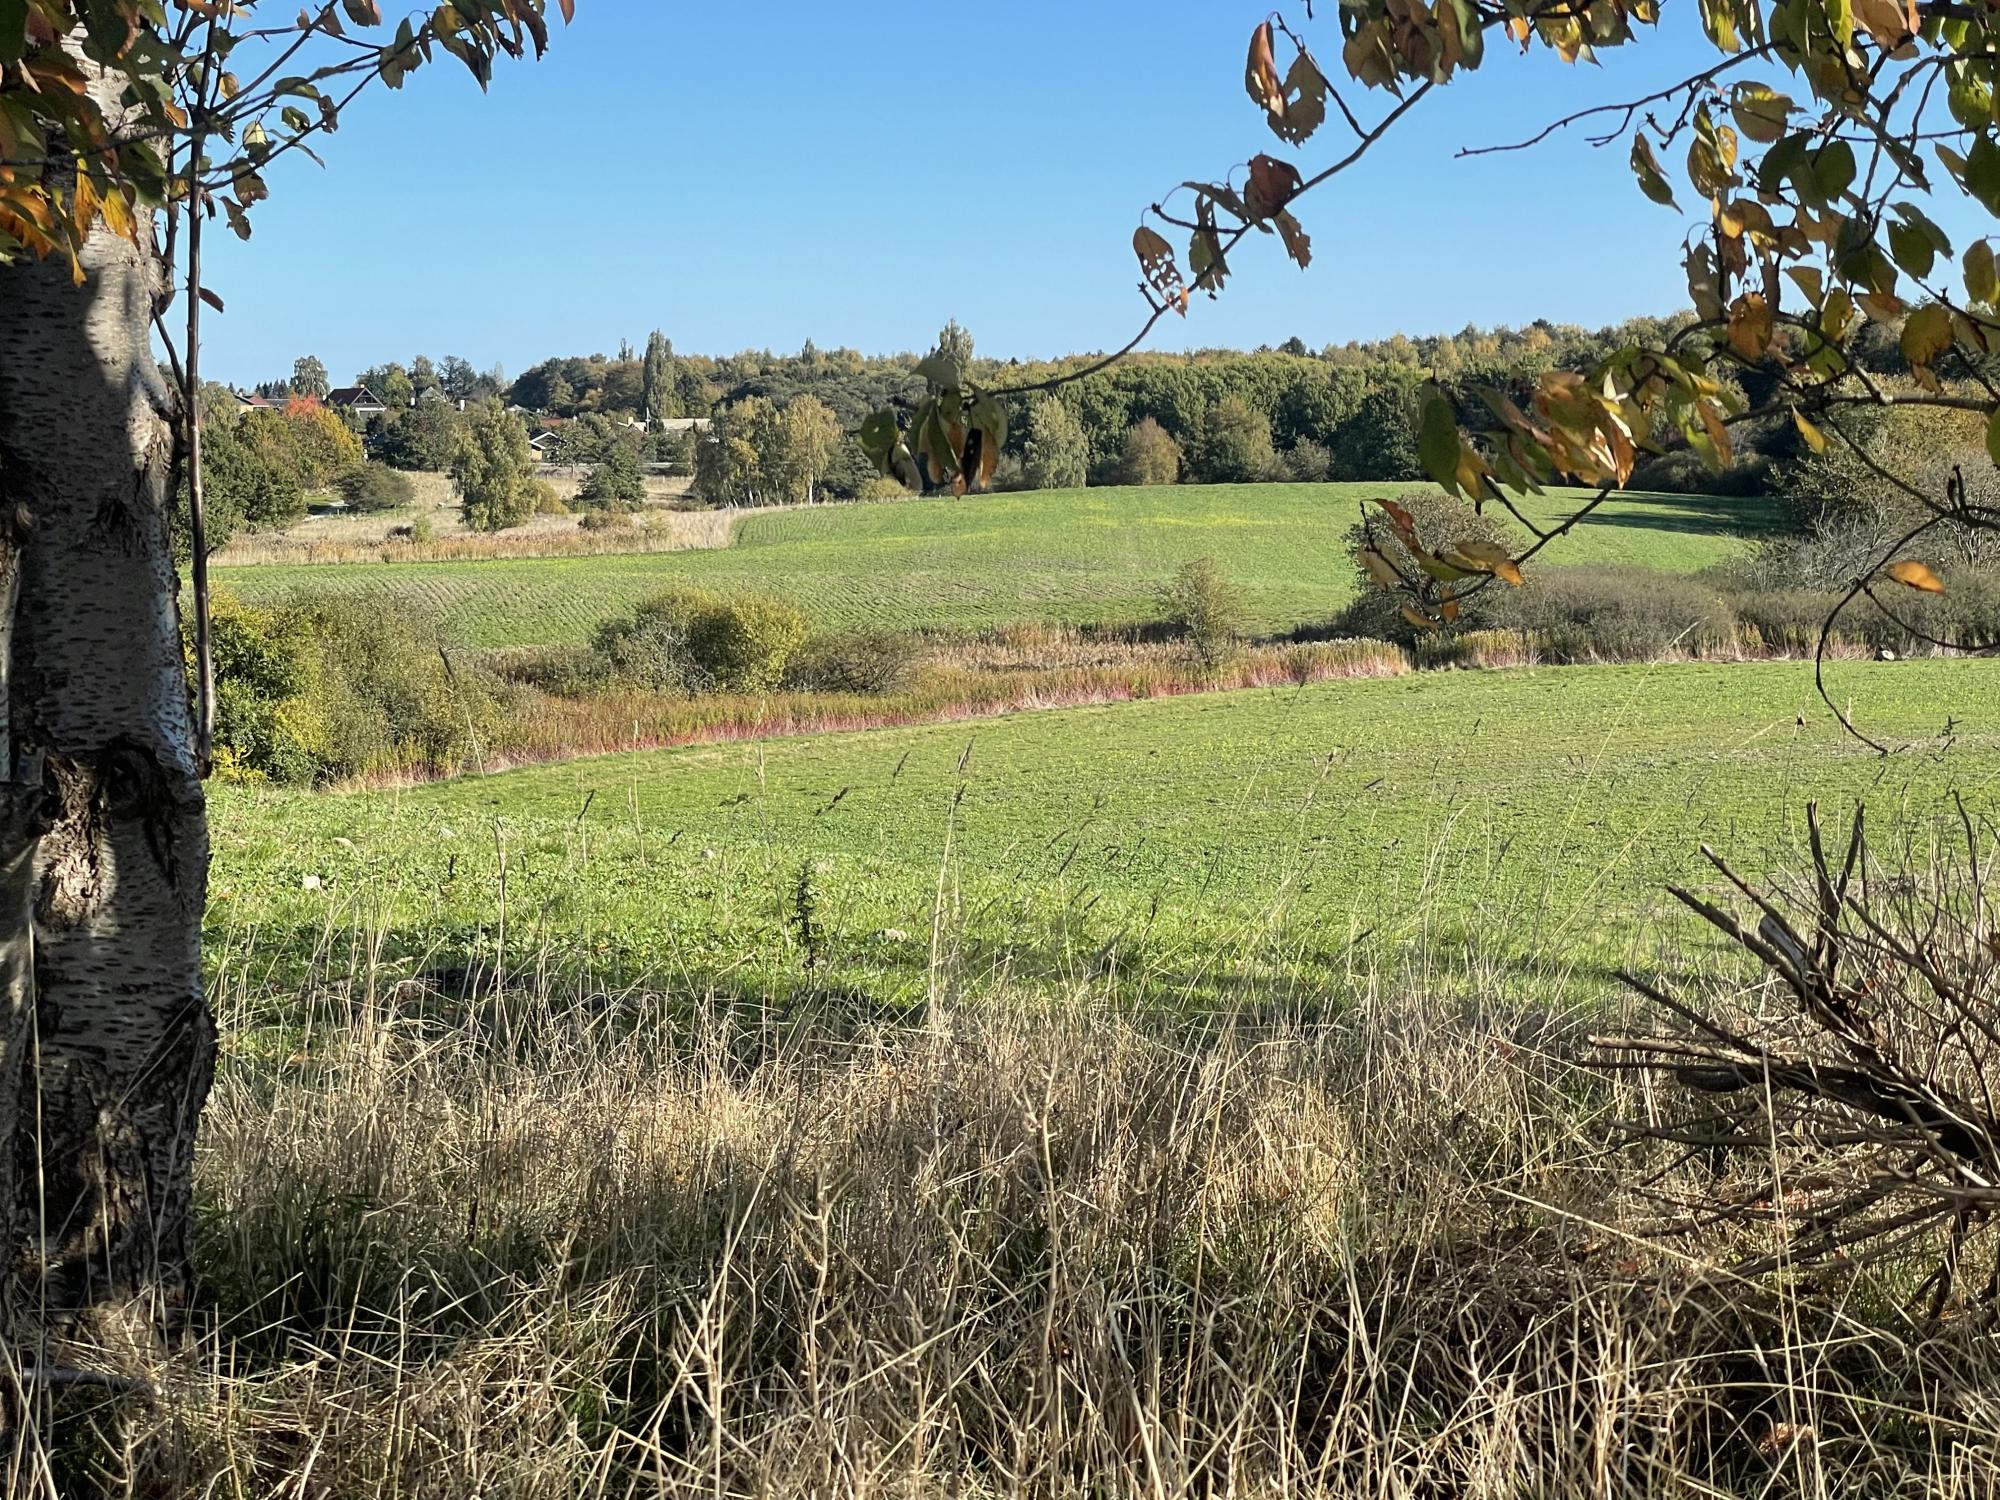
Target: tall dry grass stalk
546, 1241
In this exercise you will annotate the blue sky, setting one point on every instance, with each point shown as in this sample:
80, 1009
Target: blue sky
752, 176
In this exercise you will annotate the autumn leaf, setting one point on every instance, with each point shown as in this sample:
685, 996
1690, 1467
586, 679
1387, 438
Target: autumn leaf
1419, 619
1652, 181
1379, 568
1913, 574
1750, 324
1260, 74
1486, 557
1927, 334
1157, 264
1273, 184
1298, 244
1304, 101
1814, 438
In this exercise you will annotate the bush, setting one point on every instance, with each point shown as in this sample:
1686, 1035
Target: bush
1440, 522
853, 661
1615, 614
882, 487
329, 687
1202, 605
1151, 456
606, 520
690, 641
1307, 462
375, 487
422, 529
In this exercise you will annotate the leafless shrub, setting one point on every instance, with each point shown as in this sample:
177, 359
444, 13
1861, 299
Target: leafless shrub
1859, 1078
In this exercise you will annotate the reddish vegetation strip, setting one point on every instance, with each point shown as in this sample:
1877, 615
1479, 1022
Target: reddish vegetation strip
562, 728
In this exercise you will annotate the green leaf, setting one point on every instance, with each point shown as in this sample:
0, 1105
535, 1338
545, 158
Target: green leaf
1652, 181
1833, 169
1437, 442
13, 30
1993, 436
1913, 250
1982, 276
1982, 173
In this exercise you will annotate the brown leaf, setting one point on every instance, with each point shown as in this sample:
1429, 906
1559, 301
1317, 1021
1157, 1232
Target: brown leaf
1273, 184
1260, 74
1298, 244
1157, 263
1419, 619
1913, 574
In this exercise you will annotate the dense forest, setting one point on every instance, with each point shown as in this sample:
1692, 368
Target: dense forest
779, 426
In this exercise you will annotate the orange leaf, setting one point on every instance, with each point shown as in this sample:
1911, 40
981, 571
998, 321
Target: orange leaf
1913, 574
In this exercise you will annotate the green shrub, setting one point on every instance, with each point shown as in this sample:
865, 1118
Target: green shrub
1440, 522
1201, 605
375, 487
853, 661
330, 687
1307, 462
690, 641
882, 487
606, 520
422, 529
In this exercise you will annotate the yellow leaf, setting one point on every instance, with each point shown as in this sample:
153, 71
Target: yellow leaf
1379, 568
1815, 439
1419, 619
1913, 574
1927, 334
1750, 325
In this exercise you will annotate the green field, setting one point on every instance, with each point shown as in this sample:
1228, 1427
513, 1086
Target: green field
1074, 556
1195, 846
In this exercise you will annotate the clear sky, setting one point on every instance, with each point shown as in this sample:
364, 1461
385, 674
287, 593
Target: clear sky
753, 175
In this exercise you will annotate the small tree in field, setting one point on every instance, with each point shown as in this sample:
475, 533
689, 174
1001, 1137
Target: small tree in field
1203, 606
494, 470
1151, 455
618, 483
1058, 453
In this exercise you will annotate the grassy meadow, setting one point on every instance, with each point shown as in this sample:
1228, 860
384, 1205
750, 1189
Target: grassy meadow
1207, 846
1188, 1096
1075, 557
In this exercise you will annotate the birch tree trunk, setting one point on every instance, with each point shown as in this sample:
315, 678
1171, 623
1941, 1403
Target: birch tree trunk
106, 1046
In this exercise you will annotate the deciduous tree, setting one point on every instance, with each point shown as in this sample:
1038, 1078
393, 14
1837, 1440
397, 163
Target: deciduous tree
1057, 454
124, 126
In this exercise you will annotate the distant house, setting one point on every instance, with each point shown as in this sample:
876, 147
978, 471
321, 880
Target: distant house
356, 400
685, 424
546, 445
259, 403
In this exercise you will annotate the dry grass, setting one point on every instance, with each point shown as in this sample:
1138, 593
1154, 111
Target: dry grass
540, 1241
337, 537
